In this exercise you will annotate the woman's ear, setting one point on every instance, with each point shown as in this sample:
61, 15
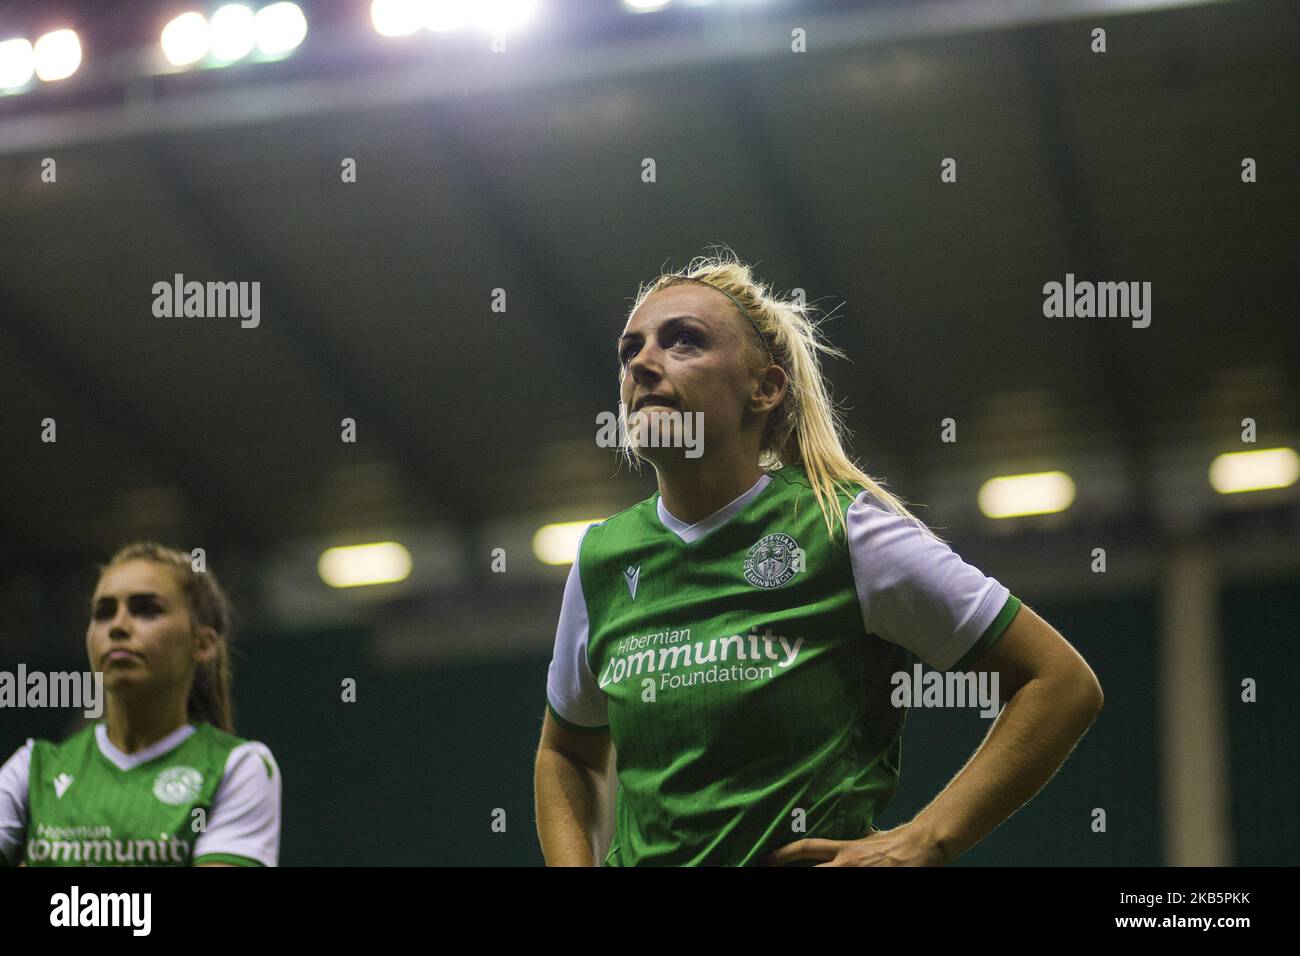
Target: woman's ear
205, 645
770, 390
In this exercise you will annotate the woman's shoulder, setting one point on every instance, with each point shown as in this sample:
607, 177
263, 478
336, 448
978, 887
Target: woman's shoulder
23, 755
795, 479
81, 737
240, 758
225, 740
631, 522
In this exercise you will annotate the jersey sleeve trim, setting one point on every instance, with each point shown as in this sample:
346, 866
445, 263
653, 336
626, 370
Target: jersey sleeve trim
914, 590
231, 858
575, 728
991, 634
244, 820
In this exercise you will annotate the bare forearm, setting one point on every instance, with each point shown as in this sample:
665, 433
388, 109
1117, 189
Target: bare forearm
1027, 744
568, 797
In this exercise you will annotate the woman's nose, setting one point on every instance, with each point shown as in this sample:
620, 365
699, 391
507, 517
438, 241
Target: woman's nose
118, 628
641, 365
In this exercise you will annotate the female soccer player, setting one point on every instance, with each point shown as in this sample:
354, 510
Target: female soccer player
162, 781
734, 637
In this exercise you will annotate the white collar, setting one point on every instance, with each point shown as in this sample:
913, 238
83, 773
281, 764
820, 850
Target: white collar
693, 532
156, 749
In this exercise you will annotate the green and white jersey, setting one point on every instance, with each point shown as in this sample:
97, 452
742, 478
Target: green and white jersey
83, 802
742, 665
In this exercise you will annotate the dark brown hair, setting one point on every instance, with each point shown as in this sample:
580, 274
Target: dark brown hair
209, 700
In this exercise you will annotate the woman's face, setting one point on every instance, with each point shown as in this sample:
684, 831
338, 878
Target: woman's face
684, 348
140, 633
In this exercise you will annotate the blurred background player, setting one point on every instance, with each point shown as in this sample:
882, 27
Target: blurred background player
162, 780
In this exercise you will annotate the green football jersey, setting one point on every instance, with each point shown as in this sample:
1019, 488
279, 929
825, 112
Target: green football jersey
742, 665
197, 795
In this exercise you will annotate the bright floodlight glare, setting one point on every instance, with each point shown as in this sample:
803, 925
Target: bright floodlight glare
232, 32
396, 18
645, 6
185, 39
17, 64
384, 562
499, 15
558, 543
57, 55
279, 28
1012, 496
1239, 471
445, 15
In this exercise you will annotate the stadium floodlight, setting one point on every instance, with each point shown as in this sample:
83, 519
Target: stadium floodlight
397, 18
558, 543
232, 33
279, 28
1014, 496
442, 16
501, 15
17, 64
359, 565
1238, 471
185, 39
645, 6
57, 55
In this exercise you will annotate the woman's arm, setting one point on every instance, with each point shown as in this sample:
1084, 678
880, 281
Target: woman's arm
569, 779
1052, 698
14, 775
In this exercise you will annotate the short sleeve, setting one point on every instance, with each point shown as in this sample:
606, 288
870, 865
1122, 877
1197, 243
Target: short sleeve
572, 693
13, 805
244, 825
916, 592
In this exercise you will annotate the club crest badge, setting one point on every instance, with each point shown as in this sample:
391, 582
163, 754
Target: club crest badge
772, 561
177, 785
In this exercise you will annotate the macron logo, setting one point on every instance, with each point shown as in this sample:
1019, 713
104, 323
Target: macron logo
631, 576
61, 784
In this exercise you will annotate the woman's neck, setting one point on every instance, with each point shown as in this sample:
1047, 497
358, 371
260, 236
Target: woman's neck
134, 726
692, 490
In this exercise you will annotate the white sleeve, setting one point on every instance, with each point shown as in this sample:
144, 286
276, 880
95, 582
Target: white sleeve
245, 817
571, 687
13, 803
916, 592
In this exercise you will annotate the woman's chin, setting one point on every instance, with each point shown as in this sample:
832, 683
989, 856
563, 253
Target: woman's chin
125, 680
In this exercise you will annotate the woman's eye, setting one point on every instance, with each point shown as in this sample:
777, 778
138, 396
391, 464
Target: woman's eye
103, 613
627, 354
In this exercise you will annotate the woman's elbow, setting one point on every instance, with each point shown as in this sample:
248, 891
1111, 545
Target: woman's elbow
1090, 688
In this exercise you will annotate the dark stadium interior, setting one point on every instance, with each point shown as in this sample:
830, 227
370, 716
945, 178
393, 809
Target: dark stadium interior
476, 427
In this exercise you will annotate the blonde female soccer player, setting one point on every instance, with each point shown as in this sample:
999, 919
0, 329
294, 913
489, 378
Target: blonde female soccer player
734, 637
162, 781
